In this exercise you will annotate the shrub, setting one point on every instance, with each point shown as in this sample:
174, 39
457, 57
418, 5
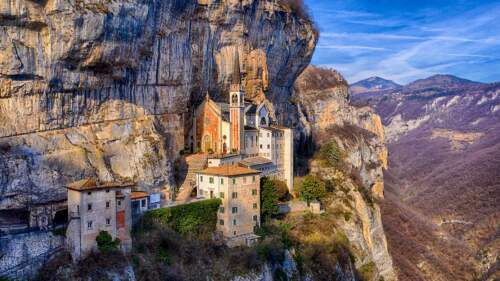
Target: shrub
268, 199
298, 7
312, 189
105, 242
281, 189
367, 271
195, 218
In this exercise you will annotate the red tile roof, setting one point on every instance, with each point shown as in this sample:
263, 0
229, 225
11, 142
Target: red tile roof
228, 171
93, 184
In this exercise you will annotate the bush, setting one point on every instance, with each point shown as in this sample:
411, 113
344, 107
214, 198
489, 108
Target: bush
298, 7
268, 199
195, 218
105, 242
312, 189
367, 271
281, 189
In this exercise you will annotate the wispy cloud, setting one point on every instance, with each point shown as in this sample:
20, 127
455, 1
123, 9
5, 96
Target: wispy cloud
361, 39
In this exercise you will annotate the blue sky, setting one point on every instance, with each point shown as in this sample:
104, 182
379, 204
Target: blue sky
406, 40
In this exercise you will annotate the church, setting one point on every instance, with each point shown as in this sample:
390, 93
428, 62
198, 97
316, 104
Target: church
243, 133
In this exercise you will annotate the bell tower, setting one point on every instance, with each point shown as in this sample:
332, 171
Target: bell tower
237, 108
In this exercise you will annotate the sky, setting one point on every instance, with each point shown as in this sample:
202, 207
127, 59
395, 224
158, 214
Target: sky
405, 40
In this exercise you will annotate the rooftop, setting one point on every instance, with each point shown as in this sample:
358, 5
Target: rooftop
228, 171
253, 161
93, 184
138, 194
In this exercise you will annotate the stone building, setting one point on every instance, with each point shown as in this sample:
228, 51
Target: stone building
238, 188
95, 206
240, 130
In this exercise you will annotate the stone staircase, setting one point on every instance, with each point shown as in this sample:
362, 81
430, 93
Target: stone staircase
194, 163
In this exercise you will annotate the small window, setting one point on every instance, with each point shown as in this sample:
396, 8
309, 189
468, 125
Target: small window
89, 193
201, 178
255, 205
89, 225
234, 223
221, 210
143, 203
108, 221
221, 222
254, 191
234, 181
221, 194
234, 233
255, 218
89, 207
222, 181
235, 195
119, 202
253, 179
261, 146
107, 190
268, 146
211, 179
108, 204
244, 179
234, 210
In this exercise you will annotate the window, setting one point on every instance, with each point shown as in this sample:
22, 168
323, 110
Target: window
267, 134
108, 221
255, 205
234, 233
107, 190
221, 222
261, 146
221, 210
201, 178
234, 223
253, 178
268, 146
89, 207
89, 225
221, 194
234, 210
254, 191
108, 204
119, 202
211, 179
222, 181
143, 203
244, 179
255, 218
235, 195
234, 181
89, 193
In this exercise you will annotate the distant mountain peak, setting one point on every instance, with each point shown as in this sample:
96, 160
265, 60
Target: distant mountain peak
372, 84
442, 80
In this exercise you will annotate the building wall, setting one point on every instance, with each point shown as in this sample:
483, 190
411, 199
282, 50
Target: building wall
224, 161
248, 194
208, 127
251, 143
288, 158
265, 143
81, 237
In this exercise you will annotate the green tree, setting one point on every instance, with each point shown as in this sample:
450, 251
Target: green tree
268, 199
105, 242
281, 189
312, 188
330, 154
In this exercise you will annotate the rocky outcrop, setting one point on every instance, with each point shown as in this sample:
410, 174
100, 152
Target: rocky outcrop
325, 114
106, 88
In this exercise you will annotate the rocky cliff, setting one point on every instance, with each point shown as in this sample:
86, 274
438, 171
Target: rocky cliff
322, 100
106, 88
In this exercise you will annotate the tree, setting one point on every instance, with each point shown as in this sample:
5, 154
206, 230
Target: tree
105, 242
281, 189
312, 188
268, 199
331, 154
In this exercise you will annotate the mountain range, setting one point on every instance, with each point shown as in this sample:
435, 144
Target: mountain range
441, 210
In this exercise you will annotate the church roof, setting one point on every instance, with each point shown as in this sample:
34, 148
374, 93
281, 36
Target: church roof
228, 171
254, 161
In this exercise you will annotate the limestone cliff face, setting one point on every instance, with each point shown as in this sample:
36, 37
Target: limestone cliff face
106, 88
325, 114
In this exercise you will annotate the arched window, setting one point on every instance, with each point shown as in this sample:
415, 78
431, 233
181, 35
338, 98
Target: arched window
263, 121
234, 99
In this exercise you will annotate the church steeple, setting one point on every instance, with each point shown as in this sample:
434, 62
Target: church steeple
236, 75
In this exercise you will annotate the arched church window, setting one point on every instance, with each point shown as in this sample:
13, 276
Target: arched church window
263, 121
234, 99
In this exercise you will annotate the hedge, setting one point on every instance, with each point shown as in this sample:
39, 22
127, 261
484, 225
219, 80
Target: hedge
188, 218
